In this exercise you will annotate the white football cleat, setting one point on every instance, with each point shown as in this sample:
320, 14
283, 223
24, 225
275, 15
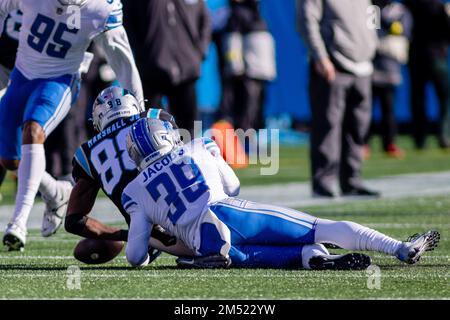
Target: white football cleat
55, 209
15, 237
412, 250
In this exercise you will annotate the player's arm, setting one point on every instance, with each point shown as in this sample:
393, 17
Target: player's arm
6, 6
82, 200
120, 57
230, 181
78, 222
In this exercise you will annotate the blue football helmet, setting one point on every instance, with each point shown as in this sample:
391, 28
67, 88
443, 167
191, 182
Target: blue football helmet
150, 140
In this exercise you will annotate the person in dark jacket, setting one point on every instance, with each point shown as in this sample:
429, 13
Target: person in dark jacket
341, 48
428, 63
249, 63
170, 38
392, 53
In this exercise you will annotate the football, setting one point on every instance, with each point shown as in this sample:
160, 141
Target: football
93, 251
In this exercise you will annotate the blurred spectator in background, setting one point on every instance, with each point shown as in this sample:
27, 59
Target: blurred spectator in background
220, 13
8, 48
170, 38
392, 53
248, 63
428, 61
341, 46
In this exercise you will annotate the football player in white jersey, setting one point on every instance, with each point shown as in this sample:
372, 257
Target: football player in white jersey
190, 191
54, 37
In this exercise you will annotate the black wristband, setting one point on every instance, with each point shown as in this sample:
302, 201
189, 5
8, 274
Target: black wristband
123, 235
75, 223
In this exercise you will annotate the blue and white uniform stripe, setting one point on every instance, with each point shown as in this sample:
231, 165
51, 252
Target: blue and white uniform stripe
82, 160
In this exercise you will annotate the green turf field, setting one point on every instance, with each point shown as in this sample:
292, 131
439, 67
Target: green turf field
294, 166
41, 271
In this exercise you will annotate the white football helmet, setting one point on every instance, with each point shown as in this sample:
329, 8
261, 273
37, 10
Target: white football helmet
150, 140
111, 104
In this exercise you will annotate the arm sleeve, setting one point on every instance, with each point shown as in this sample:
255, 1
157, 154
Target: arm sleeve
230, 181
120, 57
309, 15
138, 234
6, 6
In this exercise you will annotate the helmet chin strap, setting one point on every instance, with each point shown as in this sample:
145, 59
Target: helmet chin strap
72, 2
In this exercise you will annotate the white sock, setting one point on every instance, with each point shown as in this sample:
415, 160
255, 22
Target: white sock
48, 187
312, 250
353, 236
31, 169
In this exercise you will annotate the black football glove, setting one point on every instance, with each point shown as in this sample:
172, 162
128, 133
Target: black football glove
153, 254
160, 234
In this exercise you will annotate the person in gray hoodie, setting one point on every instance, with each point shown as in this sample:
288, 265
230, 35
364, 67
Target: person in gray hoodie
341, 39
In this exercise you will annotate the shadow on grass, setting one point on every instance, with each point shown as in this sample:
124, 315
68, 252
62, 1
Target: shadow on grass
6, 267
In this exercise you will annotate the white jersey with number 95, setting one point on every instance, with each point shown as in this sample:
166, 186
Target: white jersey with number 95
54, 38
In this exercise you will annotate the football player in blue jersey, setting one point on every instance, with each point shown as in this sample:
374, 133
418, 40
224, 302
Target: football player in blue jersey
103, 163
191, 192
53, 39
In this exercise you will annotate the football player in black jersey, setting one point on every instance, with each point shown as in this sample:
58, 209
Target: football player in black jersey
8, 48
103, 163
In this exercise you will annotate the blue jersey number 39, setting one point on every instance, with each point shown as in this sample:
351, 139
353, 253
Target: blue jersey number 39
191, 181
42, 29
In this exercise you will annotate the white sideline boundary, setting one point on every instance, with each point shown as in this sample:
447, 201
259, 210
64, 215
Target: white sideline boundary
295, 195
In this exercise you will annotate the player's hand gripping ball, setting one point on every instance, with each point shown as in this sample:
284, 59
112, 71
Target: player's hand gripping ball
93, 251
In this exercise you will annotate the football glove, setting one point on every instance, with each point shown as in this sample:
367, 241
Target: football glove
160, 234
153, 254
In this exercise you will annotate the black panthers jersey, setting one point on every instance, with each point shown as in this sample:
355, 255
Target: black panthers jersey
104, 159
9, 39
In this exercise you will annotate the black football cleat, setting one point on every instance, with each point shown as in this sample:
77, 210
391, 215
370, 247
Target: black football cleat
350, 261
209, 262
